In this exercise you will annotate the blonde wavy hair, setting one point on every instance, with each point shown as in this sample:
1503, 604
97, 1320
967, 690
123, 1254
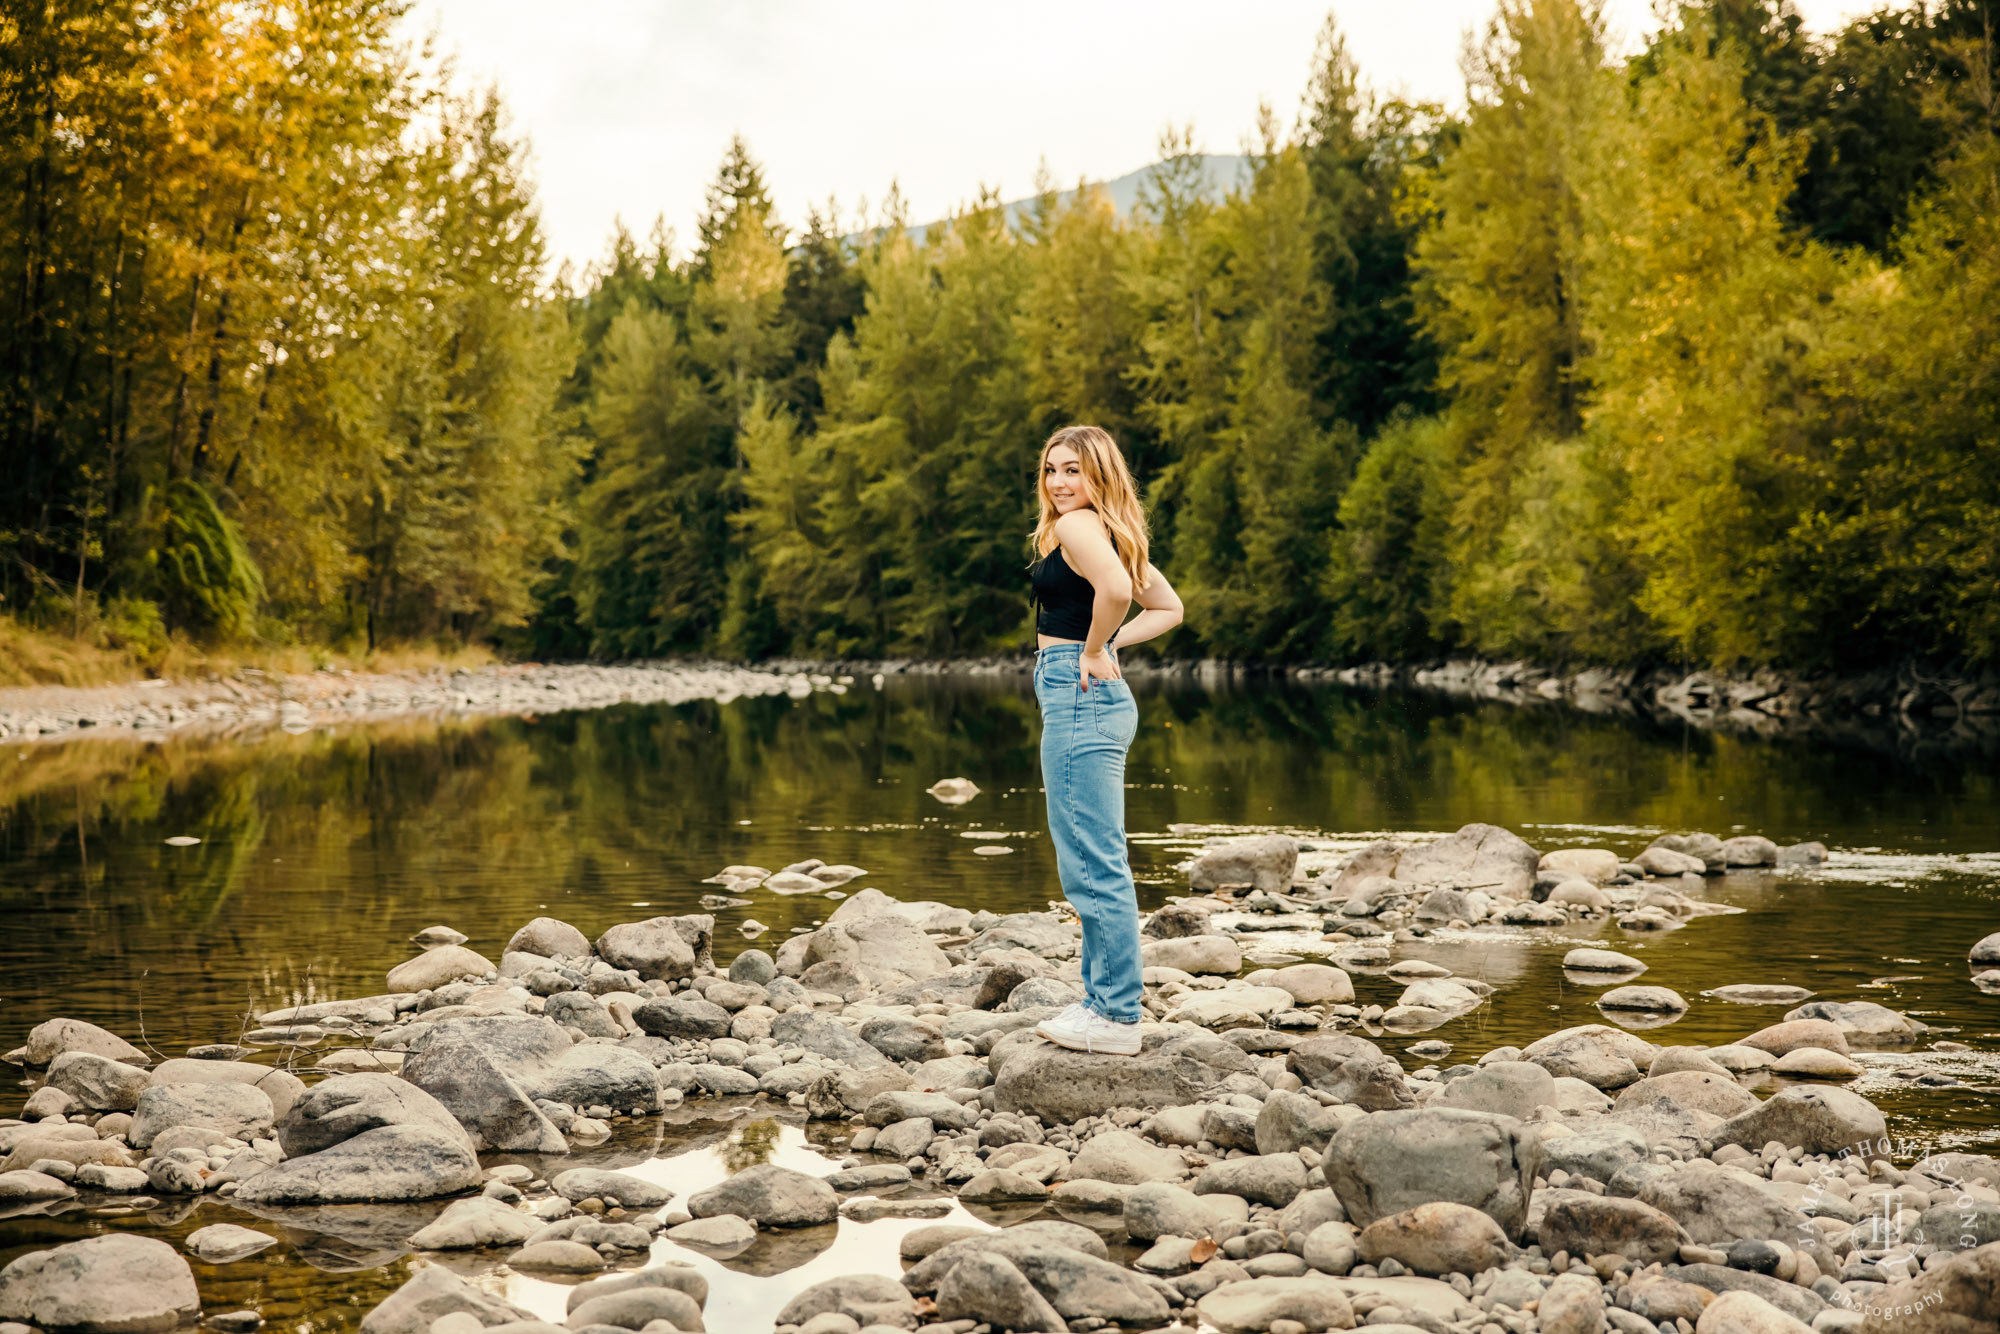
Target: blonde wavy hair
1112, 495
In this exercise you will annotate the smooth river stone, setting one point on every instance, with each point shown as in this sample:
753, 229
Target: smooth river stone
1754, 993
1601, 961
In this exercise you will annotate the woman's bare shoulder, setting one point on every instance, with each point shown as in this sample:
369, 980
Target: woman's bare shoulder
1079, 525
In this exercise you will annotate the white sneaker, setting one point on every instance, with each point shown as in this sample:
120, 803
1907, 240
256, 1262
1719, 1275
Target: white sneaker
1081, 1028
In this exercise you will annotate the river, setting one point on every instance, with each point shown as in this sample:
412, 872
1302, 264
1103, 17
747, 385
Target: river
323, 850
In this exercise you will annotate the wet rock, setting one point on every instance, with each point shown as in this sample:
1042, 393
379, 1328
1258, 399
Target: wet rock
1175, 1067
1587, 960
226, 1243
1194, 954
97, 1082
1586, 1224
49, 1145
1984, 951
1175, 920
282, 1087
1598, 1153
1693, 1090
1863, 1019
1647, 1000
1815, 1063
1263, 861
1478, 856
686, 1016
998, 1185
753, 968
1820, 1120
436, 967
867, 1299
1802, 854
551, 938
769, 1196
637, 1307
989, 1289
434, 1292
1508, 1088
900, 1105
118, 1283
1706, 848
476, 1222
398, 1162
25, 1187
1666, 862
680, 1277
1353, 1069
1749, 850
343, 1106
1715, 1204
1392, 1161
1437, 1238
53, 1037
1274, 1179
1247, 1307
724, 1232
236, 1110
583, 1183
558, 1255
1781, 1038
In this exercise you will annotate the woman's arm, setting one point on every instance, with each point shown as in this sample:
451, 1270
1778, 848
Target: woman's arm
1087, 548
1160, 610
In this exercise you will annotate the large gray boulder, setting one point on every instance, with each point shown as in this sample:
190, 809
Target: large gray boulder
432, 1292
1508, 1088
1262, 861
98, 1082
1706, 847
476, 1222
117, 1283
670, 949
489, 1071
1392, 1161
282, 1087
990, 1290
1585, 1224
1600, 1055
769, 1196
52, 1037
1274, 1179
842, 1092
1288, 1122
1077, 1283
1250, 1306
397, 1162
638, 1307
236, 1110
1715, 1204
1598, 1152
866, 1299
1819, 1120
1353, 1070
883, 947
684, 1016
1175, 1067
1959, 1297
551, 938
344, 1106
1478, 856
826, 1037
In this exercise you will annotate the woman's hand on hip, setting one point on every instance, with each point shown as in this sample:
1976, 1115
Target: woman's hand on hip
1100, 665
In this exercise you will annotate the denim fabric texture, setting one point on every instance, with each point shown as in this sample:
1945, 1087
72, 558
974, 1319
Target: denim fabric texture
1085, 734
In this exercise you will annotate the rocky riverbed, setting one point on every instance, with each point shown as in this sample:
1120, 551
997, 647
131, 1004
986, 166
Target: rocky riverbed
1267, 1164
251, 698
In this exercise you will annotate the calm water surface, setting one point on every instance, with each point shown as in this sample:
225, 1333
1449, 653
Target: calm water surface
323, 852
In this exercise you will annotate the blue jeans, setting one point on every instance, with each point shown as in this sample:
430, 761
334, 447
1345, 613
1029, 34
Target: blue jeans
1085, 734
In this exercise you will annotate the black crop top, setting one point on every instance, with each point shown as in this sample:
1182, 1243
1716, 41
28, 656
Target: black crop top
1064, 599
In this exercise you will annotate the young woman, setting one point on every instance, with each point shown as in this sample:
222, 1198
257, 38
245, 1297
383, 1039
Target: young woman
1092, 566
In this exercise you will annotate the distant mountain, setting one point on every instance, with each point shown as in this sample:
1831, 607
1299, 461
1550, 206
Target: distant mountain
1220, 172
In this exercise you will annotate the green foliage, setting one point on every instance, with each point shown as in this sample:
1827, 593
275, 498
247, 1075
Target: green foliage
202, 571
1687, 355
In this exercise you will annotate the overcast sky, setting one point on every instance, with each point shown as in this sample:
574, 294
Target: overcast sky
628, 105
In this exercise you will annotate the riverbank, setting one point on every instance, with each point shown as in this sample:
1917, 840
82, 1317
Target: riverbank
250, 698
907, 1154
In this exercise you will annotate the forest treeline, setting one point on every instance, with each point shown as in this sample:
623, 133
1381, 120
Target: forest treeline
1691, 354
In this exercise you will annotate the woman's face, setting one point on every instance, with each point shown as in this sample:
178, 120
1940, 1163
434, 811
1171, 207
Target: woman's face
1062, 478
